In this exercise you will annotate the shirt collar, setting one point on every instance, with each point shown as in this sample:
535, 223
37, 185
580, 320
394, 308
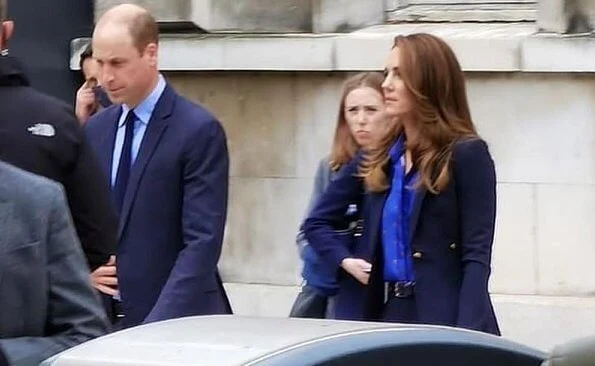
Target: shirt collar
145, 108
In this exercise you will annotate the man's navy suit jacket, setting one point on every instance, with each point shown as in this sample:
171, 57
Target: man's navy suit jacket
170, 230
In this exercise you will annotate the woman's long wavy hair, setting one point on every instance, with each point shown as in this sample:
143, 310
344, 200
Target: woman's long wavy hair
435, 82
344, 145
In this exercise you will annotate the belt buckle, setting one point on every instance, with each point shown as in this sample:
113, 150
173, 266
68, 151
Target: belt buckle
400, 290
403, 289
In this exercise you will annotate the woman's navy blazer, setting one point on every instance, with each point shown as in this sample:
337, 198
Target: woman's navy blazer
451, 240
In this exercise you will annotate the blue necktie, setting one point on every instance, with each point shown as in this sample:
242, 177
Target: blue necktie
119, 189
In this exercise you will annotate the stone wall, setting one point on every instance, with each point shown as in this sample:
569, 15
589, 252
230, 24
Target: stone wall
540, 129
279, 127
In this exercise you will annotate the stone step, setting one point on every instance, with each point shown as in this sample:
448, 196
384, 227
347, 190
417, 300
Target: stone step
537, 321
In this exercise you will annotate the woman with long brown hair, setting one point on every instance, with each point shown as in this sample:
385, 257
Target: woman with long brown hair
361, 121
429, 193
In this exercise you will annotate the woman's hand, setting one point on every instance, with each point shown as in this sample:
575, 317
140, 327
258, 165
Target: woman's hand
358, 268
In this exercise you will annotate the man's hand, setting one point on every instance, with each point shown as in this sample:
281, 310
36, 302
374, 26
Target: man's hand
85, 102
358, 268
104, 278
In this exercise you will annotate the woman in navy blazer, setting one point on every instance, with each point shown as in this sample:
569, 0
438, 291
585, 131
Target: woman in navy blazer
428, 194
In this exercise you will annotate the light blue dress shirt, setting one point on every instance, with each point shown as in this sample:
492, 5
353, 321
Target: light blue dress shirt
143, 112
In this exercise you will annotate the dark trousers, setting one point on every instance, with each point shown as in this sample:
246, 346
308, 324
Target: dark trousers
400, 310
115, 313
309, 303
108, 305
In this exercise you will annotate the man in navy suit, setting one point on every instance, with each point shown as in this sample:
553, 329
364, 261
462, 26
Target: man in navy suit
168, 165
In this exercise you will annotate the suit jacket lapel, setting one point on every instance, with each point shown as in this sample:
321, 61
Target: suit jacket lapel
155, 129
106, 148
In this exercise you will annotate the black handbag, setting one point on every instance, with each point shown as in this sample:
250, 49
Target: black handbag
309, 304
351, 233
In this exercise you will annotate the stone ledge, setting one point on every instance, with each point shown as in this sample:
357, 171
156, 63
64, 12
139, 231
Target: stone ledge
553, 53
493, 12
480, 47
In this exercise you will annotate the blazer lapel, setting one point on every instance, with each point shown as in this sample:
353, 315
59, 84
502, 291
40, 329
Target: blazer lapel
155, 129
376, 207
414, 218
377, 201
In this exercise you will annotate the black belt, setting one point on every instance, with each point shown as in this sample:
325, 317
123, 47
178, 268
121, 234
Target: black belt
399, 289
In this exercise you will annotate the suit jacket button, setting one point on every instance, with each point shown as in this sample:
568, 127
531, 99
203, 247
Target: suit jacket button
417, 255
453, 246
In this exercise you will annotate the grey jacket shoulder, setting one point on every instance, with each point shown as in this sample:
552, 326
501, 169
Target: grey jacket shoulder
18, 183
44, 272
31, 199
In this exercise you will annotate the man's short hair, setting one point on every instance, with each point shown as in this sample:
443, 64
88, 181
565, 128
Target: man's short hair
87, 54
143, 30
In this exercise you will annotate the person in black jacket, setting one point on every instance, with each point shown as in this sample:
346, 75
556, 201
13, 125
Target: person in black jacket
40, 134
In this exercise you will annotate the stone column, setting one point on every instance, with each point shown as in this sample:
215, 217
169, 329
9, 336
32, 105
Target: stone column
566, 16
335, 16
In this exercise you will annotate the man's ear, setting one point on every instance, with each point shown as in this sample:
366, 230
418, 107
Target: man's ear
151, 52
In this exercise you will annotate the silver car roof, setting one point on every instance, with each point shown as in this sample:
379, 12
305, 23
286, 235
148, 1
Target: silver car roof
206, 340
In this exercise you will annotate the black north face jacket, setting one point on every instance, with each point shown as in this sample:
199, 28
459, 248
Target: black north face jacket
40, 134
